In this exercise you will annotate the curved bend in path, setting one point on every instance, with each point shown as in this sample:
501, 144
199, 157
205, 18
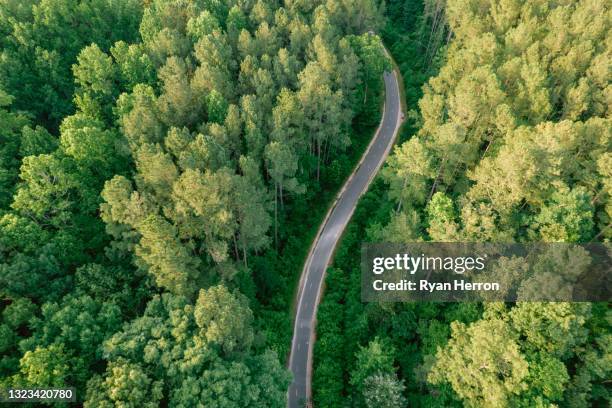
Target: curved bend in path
309, 292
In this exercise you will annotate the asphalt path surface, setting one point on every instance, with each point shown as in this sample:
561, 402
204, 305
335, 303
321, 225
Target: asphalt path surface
300, 360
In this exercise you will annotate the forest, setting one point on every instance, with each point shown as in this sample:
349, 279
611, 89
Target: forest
159, 161
165, 166
509, 140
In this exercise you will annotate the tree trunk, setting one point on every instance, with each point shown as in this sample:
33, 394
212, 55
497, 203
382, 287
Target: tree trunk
595, 199
487, 149
236, 248
435, 183
399, 204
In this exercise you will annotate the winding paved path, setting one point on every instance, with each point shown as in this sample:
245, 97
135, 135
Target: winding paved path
311, 281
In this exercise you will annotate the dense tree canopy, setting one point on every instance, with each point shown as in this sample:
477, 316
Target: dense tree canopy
151, 157
193, 354
516, 119
164, 165
510, 143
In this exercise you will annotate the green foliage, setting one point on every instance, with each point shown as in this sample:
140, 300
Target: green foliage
139, 148
383, 390
483, 363
42, 43
36, 141
11, 125
95, 75
125, 384
370, 51
224, 319
568, 217
515, 360
441, 216
510, 143
44, 365
113, 283
216, 107
78, 326
19, 313
500, 126
377, 357
191, 353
